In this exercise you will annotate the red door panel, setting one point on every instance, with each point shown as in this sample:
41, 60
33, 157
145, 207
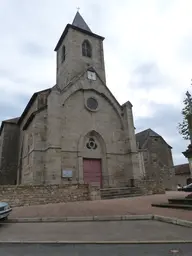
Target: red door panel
92, 171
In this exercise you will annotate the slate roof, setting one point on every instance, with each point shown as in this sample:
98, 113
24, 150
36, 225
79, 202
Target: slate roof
182, 169
10, 121
141, 137
80, 23
30, 103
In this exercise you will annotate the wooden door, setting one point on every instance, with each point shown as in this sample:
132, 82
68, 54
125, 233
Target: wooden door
92, 171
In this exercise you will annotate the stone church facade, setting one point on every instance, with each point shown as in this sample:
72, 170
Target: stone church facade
76, 131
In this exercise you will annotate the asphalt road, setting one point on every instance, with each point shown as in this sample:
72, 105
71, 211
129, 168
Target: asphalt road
95, 250
95, 231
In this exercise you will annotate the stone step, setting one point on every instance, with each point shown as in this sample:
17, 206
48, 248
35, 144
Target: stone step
122, 192
120, 196
186, 201
119, 191
128, 193
118, 188
175, 206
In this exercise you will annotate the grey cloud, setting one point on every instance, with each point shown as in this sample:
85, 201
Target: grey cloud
164, 5
12, 110
34, 49
165, 123
147, 75
185, 50
4, 73
10, 76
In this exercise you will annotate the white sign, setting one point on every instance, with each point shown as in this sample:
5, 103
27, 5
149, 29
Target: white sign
67, 173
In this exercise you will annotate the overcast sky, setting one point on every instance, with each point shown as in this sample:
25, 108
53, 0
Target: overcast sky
148, 55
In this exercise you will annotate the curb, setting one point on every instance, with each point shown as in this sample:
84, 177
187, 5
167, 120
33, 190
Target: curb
174, 221
80, 219
99, 242
165, 219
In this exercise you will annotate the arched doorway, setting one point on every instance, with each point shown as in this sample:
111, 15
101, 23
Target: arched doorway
92, 159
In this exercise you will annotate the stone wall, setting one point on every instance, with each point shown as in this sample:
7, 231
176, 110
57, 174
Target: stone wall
33, 195
94, 193
158, 162
9, 154
150, 187
24, 195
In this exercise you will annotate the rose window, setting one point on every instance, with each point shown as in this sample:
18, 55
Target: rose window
91, 144
92, 104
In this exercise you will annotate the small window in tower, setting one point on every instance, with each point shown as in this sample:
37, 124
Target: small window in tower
63, 54
86, 49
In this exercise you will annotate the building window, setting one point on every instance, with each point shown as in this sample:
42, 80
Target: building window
91, 144
86, 49
63, 53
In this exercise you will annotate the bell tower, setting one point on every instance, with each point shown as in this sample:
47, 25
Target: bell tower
77, 49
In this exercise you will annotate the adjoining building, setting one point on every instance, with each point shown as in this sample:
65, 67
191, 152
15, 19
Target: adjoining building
157, 156
182, 174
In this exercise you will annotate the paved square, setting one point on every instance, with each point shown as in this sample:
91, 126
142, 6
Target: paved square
95, 231
125, 206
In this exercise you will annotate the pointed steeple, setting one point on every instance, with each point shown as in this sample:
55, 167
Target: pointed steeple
80, 23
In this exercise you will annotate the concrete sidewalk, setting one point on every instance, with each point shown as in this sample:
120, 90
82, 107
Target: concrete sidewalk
126, 206
118, 231
95, 249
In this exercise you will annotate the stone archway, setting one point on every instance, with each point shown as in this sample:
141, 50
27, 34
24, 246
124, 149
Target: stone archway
92, 159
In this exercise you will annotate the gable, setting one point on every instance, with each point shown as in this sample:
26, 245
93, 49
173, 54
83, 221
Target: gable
81, 82
78, 118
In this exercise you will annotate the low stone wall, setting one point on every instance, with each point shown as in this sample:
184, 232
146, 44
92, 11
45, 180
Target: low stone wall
43, 194
150, 187
94, 193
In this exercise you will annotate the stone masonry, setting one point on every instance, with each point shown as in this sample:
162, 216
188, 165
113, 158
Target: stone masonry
21, 195
58, 123
44, 194
157, 157
9, 146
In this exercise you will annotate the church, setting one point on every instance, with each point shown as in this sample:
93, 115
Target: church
75, 131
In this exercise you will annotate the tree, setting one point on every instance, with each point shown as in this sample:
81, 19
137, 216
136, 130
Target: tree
183, 127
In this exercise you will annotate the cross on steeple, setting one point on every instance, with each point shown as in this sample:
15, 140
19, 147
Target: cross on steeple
78, 8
